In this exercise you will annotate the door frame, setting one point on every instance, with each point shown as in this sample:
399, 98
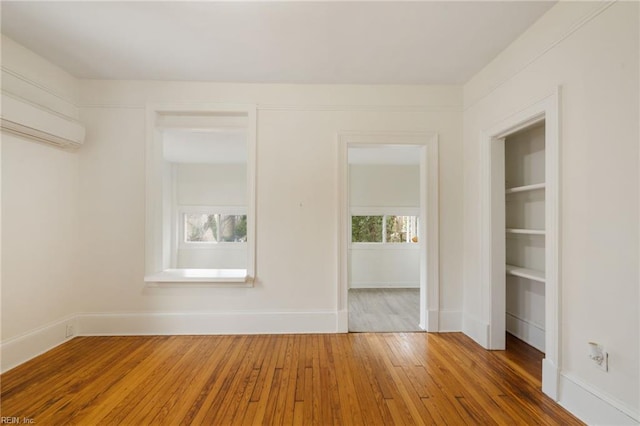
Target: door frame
429, 251
493, 230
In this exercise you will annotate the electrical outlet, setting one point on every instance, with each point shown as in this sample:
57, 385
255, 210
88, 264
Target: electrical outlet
604, 365
598, 355
69, 331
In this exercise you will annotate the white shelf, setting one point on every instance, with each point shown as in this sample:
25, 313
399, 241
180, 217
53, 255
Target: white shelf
526, 231
531, 274
525, 188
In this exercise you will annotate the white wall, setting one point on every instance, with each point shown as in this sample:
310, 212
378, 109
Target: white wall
591, 51
211, 184
296, 202
384, 185
39, 216
385, 188
385, 267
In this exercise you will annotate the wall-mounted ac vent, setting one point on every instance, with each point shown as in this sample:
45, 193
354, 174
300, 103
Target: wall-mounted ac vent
32, 121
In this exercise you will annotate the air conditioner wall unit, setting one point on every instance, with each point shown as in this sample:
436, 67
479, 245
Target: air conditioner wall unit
29, 120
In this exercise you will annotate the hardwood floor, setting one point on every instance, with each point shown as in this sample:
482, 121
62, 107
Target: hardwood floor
384, 309
341, 379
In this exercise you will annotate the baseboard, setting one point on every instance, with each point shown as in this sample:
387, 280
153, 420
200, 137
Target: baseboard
476, 329
526, 331
20, 349
342, 321
592, 406
384, 284
110, 324
550, 378
450, 321
432, 322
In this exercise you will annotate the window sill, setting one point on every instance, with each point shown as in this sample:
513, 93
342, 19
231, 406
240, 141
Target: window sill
200, 278
384, 246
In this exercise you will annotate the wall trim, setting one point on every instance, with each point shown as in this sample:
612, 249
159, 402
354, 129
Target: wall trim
370, 108
476, 329
550, 378
177, 323
20, 349
593, 406
384, 284
527, 331
329, 108
450, 321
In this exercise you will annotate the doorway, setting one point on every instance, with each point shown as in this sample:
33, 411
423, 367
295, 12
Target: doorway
424, 221
520, 242
384, 248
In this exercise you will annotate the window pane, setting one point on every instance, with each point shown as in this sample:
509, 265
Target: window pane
233, 228
401, 229
200, 227
366, 229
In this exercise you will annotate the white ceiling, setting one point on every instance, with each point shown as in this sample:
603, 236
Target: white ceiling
434, 42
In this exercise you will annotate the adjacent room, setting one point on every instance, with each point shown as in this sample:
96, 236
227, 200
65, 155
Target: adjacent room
384, 252
320, 212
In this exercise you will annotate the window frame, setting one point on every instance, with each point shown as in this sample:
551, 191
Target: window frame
207, 245
384, 212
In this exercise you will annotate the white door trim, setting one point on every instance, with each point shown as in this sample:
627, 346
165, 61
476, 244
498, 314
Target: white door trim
493, 238
429, 258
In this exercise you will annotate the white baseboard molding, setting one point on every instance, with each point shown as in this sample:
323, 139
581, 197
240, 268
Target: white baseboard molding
20, 349
526, 331
151, 323
384, 284
342, 321
550, 378
432, 322
450, 321
476, 329
593, 406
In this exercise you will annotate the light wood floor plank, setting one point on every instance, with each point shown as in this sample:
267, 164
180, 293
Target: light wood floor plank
384, 309
345, 379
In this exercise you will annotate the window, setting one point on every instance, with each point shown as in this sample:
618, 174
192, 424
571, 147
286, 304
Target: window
384, 229
366, 229
213, 228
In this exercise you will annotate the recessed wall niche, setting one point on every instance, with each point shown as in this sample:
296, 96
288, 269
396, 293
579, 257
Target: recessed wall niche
201, 196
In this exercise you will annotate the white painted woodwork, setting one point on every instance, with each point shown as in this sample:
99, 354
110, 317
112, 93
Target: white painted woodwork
529, 273
515, 150
199, 275
525, 231
170, 185
525, 188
